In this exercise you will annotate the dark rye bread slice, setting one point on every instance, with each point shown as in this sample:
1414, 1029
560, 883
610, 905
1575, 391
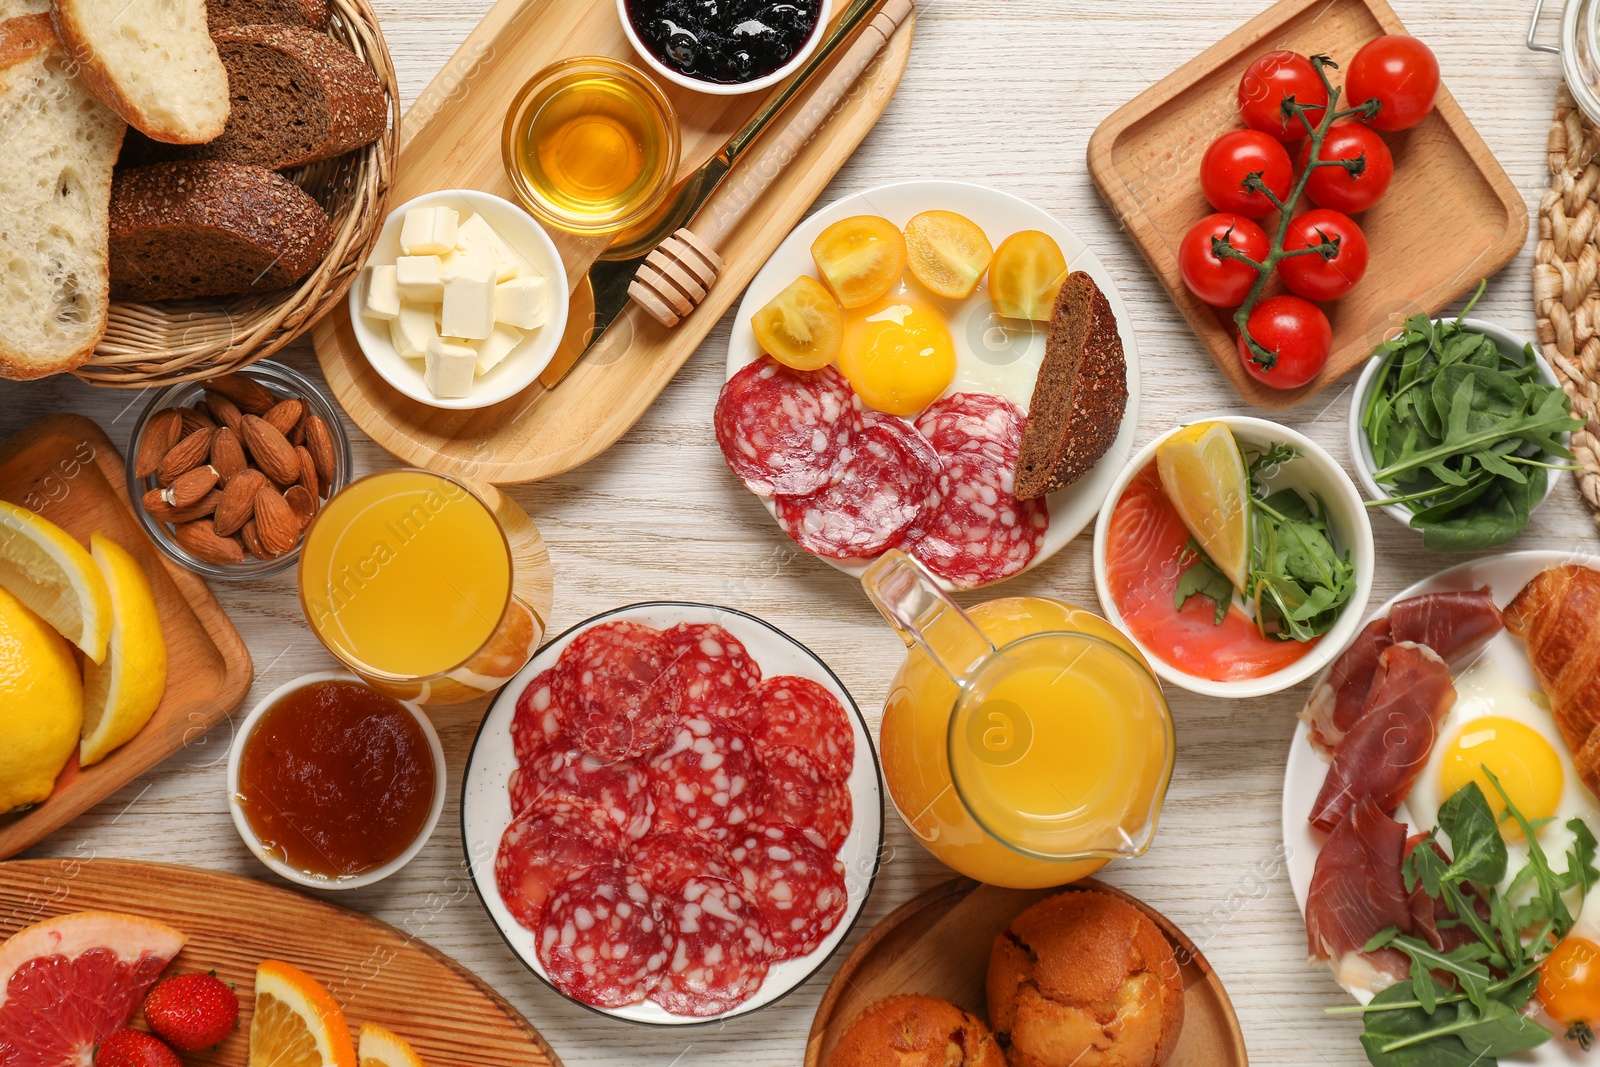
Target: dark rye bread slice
312, 14
1080, 394
296, 97
205, 228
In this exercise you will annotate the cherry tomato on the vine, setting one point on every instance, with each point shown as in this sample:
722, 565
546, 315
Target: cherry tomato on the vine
1219, 281
1297, 337
1569, 982
1338, 187
1265, 85
1401, 73
1312, 276
1231, 159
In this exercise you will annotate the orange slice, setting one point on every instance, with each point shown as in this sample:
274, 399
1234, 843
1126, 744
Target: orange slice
802, 327
1026, 275
947, 253
382, 1048
861, 258
297, 1023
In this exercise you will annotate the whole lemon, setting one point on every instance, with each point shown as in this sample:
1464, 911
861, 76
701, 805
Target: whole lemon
41, 705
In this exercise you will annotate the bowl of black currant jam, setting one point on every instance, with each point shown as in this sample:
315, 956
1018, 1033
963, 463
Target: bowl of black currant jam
725, 47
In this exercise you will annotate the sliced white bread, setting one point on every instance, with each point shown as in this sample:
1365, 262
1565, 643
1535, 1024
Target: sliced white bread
14, 9
59, 145
152, 61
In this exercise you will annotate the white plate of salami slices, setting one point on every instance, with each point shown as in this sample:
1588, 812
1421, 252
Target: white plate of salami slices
674, 813
966, 539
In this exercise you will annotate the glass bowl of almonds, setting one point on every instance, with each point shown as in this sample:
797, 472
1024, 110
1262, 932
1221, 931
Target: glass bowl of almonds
225, 475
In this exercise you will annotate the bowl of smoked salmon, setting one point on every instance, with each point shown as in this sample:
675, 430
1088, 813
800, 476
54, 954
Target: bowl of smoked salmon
1236, 554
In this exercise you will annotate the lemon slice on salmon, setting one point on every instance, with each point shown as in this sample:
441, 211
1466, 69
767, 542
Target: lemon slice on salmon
381, 1048
1204, 476
297, 1023
122, 692
45, 568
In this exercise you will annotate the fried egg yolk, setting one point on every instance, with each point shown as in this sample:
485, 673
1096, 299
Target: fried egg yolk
898, 353
1520, 757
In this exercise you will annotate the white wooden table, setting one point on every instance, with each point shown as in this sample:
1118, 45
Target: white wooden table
1004, 92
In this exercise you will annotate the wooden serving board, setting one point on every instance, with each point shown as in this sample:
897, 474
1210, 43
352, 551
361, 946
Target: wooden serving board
451, 139
377, 973
65, 468
1450, 218
937, 944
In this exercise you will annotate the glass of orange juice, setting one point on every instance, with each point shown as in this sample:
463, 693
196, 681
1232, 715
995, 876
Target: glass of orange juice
1026, 744
431, 589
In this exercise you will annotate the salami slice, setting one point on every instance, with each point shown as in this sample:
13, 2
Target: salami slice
980, 532
716, 670
799, 888
974, 423
800, 712
719, 951
800, 794
605, 938
668, 858
891, 478
786, 431
615, 693
535, 724
707, 779
541, 850
556, 778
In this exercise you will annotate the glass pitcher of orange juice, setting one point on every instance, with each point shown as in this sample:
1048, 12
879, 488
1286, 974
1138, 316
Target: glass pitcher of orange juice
1026, 744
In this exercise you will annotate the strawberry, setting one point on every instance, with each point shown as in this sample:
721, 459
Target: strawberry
192, 1011
135, 1048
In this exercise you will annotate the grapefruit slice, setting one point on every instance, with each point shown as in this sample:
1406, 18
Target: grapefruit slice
66, 984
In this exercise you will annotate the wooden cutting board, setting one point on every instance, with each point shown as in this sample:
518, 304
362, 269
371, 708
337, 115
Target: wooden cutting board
377, 973
451, 139
937, 944
1451, 217
65, 468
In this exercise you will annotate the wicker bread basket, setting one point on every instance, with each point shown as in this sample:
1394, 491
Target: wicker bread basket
179, 341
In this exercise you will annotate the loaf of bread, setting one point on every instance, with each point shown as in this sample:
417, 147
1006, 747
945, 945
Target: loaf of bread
55, 182
298, 97
206, 228
222, 14
1079, 396
152, 63
916, 1031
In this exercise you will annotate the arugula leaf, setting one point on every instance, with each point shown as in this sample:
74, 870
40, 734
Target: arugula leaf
1475, 841
1386, 1027
1581, 872
1201, 578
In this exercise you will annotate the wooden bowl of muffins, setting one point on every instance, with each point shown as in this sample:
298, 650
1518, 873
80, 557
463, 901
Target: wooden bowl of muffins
970, 975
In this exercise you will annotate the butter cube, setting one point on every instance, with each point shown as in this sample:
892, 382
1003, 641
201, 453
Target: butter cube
477, 237
412, 330
380, 293
460, 262
429, 231
419, 278
450, 367
497, 346
521, 302
469, 304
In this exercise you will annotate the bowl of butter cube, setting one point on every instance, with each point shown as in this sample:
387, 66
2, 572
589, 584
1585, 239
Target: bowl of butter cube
463, 301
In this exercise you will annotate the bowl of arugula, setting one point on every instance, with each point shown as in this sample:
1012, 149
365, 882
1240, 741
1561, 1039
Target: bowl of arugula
1301, 572
1459, 431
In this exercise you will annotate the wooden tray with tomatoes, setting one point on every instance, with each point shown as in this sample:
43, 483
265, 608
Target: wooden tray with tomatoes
1449, 217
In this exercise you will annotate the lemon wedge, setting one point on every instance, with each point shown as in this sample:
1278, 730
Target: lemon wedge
41, 705
380, 1048
1204, 476
297, 1023
45, 568
121, 693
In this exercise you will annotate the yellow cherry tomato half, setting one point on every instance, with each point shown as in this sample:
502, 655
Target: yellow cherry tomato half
1569, 983
861, 258
802, 327
948, 253
1027, 273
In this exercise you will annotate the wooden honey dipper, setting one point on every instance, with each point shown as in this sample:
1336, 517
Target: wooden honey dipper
677, 275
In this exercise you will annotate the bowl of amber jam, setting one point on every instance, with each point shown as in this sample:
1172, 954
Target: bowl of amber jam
334, 785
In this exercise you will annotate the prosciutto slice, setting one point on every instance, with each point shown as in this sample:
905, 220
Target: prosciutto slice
1454, 625
1356, 891
1383, 753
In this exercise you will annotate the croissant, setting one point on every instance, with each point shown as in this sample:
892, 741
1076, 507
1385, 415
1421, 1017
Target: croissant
1558, 616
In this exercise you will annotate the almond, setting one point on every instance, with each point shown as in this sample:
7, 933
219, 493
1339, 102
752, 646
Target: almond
158, 509
190, 488
164, 430
308, 471
238, 503
319, 442
184, 457
303, 502
194, 420
227, 454
297, 436
277, 525
200, 539
251, 397
284, 416
225, 411
252, 541
273, 453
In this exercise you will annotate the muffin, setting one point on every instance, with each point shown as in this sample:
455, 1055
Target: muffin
1084, 979
914, 1031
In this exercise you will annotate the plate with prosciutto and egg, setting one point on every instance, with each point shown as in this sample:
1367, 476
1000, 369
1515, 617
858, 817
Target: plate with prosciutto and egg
1460, 722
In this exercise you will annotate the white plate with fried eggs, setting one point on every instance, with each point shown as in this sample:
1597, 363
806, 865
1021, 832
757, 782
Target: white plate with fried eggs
993, 355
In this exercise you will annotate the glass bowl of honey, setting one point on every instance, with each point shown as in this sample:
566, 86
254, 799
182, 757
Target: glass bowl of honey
591, 145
